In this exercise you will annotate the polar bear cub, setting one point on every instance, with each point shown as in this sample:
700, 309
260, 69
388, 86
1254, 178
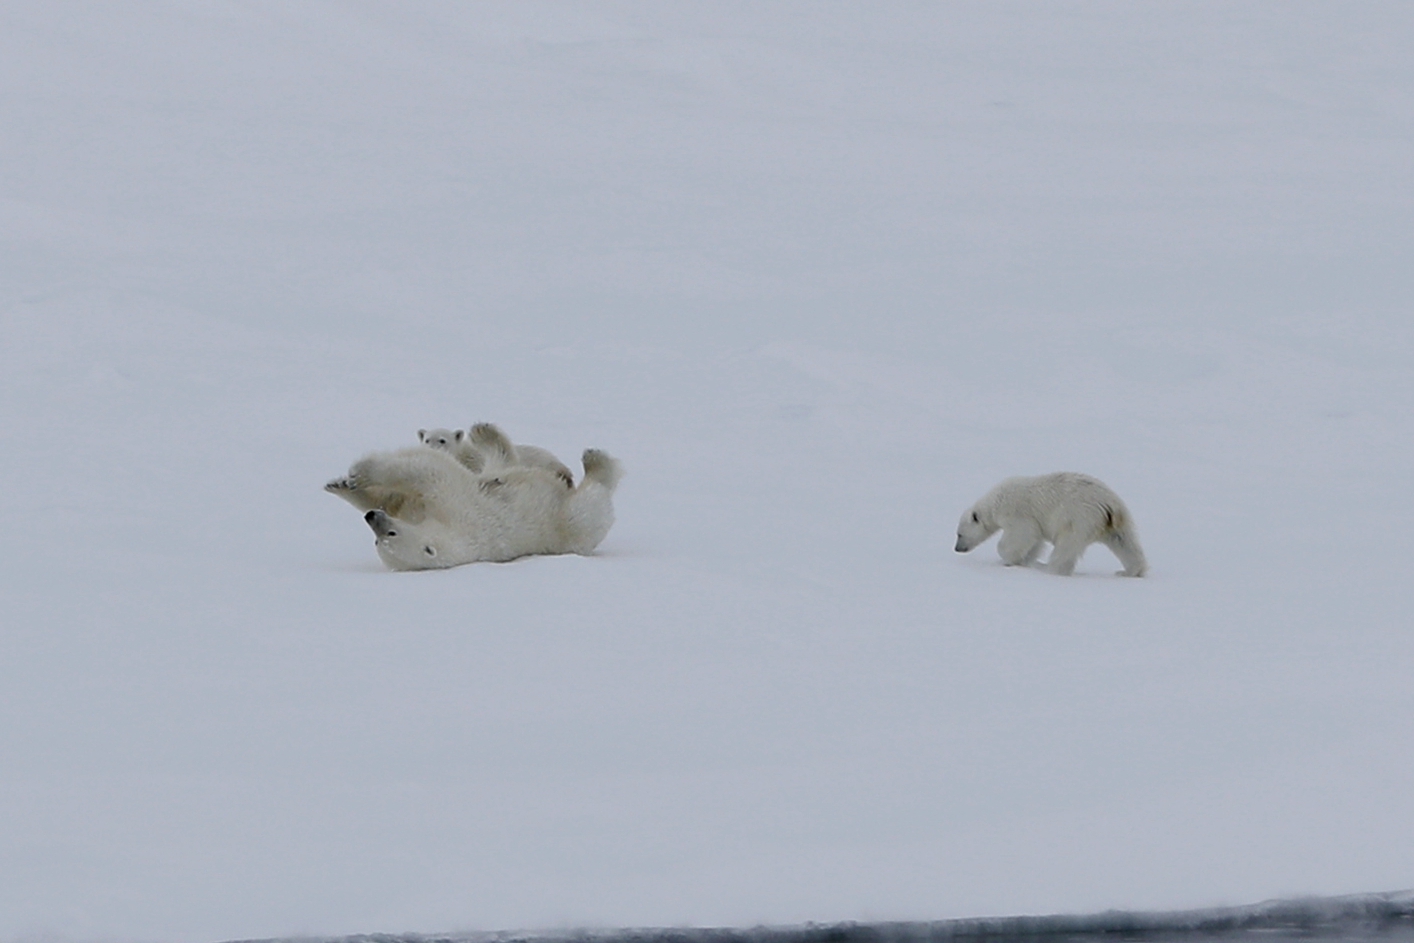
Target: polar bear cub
471, 450
429, 511
1065, 509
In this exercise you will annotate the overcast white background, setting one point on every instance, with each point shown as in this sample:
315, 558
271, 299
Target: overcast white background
819, 274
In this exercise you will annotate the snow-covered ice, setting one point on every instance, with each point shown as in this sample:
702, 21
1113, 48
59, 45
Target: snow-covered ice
819, 274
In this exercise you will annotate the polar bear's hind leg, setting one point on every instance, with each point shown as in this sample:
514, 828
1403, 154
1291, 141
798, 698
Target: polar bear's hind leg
494, 444
601, 467
590, 511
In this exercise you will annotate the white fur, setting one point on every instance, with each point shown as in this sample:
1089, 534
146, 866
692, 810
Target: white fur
1067, 510
454, 442
473, 450
429, 511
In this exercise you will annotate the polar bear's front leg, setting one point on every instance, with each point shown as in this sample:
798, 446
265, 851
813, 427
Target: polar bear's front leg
1066, 553
1020, 544
399, 504
388, 484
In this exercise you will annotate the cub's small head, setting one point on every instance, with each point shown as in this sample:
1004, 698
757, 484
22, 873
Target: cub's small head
440, 438
974, 528
403, 546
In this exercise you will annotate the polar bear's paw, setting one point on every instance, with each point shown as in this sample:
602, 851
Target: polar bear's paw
601, 467
491, 440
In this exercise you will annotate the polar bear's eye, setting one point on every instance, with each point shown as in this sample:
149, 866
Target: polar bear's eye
392, 533
429, 551
974, 518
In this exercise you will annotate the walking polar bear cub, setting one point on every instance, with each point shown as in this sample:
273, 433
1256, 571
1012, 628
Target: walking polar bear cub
428, 511
1067, 510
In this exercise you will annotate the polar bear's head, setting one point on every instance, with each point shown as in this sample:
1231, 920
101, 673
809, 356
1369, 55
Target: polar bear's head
974, 528
440, 438
404, 546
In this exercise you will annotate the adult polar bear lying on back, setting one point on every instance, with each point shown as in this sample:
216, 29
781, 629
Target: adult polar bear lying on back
1066, 510
428, 511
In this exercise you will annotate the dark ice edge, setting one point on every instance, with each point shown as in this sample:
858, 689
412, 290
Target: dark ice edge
1387, 917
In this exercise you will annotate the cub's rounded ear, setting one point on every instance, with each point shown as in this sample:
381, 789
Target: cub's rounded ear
422, 435
458, 435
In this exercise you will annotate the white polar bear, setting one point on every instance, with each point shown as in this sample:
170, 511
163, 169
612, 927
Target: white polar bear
471, 450
455, 443
428, 511
1067, 510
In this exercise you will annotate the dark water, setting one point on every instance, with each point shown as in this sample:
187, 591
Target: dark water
1361, 918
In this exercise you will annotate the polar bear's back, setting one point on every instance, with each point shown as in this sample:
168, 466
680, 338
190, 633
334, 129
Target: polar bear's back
1061, 501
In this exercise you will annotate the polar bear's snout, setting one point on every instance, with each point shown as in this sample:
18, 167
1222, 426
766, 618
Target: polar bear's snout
971, 531
381, 523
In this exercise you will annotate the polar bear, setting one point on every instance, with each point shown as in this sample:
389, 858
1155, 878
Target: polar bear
1065, 509
471, 450
429, 511
498, 451
455, 443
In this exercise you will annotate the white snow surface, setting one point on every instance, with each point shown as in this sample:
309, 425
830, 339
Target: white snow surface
819, 274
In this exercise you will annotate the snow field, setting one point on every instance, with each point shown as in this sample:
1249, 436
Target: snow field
819, 276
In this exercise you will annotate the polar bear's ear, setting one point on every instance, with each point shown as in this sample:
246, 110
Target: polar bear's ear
422, 435
458, 435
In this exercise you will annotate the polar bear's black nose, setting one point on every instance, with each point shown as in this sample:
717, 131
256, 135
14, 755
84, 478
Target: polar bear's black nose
370, 516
